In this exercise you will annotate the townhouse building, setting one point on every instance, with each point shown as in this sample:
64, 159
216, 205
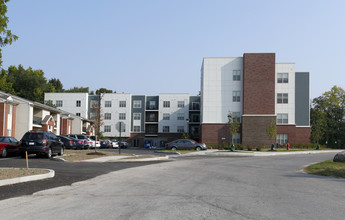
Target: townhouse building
256, 91
19, 115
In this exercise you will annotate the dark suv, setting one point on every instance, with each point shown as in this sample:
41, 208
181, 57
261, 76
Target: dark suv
41, 143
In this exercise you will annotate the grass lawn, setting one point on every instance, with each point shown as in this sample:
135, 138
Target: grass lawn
79, 155
327, 168
9, 173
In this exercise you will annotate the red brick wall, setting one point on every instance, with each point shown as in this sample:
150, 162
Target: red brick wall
3, 119
254, 130
296, 135
259, 83
214, 134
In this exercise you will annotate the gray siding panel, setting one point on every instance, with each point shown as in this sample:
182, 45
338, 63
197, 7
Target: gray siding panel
139, 110
302, 117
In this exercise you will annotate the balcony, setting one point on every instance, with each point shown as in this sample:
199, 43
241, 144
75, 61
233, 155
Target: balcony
37, 120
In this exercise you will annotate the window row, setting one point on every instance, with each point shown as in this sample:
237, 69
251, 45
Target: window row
107, 128
107, 116
122, 104
180, 116
180, 129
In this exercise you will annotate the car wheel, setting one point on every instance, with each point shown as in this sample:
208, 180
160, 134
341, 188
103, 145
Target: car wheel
4, 152
49, 153
61, 151
198, 148
173, 148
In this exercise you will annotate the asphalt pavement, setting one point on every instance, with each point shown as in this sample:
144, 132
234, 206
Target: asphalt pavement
66, 173
202, 187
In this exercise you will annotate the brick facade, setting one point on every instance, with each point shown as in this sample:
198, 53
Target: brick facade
296, 135
214, 134
254, 130
259, 83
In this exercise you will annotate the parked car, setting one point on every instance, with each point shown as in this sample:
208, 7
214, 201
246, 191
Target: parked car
106, 144
68, 142
41, 143
123, 144
185, 144
82, 138
114, 144
92, 143
9, 145
78, 143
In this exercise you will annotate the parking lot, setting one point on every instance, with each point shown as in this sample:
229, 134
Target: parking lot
66, 173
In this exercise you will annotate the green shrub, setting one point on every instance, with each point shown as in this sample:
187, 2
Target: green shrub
250, 148
240, 147
259, 148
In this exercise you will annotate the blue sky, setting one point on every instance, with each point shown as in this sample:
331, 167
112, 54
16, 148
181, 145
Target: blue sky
157, 46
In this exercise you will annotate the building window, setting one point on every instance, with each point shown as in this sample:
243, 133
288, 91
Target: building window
152, 104
78, 103
166, 129
59, 103
282, 119
78, 114
180, 116
107, 104
136, 103
94, 103
180, 129
236, 117
122, 116
180, 104
152, 117
136, 116
236, 96
122, 104
282, 98
166, 116
107, 116
282, 78
236, 138
166, 104
195, 118
136, 128
195, 105
282, 138
236, 75
107, 128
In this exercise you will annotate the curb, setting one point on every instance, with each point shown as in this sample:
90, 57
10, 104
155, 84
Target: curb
23, 179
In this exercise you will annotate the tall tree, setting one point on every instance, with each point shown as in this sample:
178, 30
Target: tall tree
78, 90
28, 83
6, 36
271, 130
57, 84
4, 84
103, 90
233, 126
327, 118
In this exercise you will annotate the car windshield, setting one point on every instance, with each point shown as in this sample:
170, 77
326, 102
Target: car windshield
81, 137
33, 136
4, 140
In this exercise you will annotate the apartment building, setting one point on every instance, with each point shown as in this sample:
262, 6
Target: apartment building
256, 91
143, 120
75, 103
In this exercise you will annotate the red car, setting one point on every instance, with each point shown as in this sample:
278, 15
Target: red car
9, 145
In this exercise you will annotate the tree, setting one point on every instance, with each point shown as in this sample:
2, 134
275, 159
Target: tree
232, 125
57, 84
271, 130
327, 118
96, 115
6, 36
28, 83
78, 90
4, 84
103, 90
